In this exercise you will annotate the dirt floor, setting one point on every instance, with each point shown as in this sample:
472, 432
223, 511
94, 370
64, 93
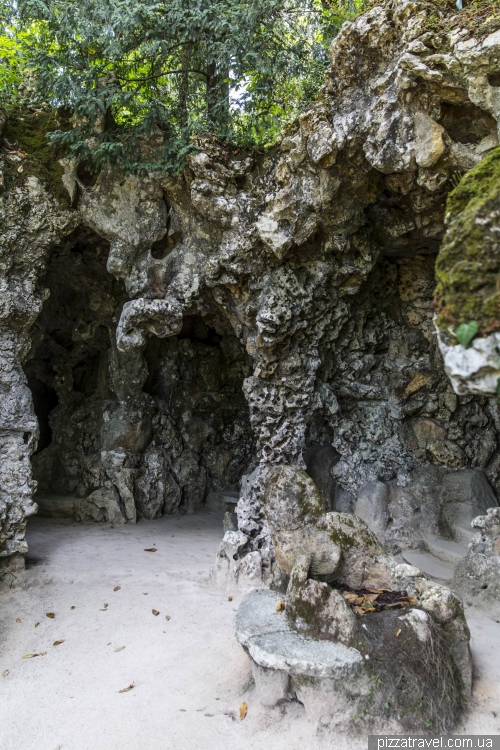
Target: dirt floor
189, 674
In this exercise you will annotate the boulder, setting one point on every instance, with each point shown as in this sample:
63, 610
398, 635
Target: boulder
340, 545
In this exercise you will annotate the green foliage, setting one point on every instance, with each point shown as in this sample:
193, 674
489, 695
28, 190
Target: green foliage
12, 61
237, 69
466, 332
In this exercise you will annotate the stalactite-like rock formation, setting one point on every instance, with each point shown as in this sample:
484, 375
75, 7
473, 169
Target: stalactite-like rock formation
301, 278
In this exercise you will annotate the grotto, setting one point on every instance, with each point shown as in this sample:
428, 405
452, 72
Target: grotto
293, 353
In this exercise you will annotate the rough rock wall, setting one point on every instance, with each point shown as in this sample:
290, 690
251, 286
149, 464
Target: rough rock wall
317, 257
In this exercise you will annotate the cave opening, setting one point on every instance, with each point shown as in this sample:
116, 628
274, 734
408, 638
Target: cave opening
174, 435
67, 368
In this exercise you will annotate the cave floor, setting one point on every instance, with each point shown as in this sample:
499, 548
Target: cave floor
189, 673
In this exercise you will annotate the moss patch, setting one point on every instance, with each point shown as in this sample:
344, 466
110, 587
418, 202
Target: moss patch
468, 264
28, 133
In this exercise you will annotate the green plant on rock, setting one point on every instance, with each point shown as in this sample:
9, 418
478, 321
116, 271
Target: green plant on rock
466, 332
468, 263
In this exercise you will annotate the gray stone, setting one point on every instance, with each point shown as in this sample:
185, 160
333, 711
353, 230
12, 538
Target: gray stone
102, 505
371, 506
429, 564
478, 574
465, 494
338, 545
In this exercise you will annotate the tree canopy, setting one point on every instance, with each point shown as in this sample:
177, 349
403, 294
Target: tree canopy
237, 69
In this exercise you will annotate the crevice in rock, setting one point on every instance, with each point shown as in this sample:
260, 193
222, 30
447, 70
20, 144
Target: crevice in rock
466, 123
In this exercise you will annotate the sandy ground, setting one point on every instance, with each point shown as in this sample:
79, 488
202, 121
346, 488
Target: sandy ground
189, 673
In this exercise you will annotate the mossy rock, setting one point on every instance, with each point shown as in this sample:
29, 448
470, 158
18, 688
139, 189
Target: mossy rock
468, 264
28, 132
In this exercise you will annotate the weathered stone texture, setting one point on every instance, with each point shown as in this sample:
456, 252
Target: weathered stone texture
311, 267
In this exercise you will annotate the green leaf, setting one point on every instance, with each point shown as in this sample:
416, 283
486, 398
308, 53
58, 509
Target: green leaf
466, 332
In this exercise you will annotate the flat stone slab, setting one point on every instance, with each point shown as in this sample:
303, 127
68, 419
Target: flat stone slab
222, 500
272, 644
448, 552
58, 506
429, 564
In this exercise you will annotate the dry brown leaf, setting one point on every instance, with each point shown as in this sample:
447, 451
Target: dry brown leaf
50, 615
120, 648
230, 598
352, 598
117, 588
280, 606
108, 644
71, 607
370, 597
57, 643
32, 656
243, 711
18, 619
398, 633
125, 690
369, 609
379, 591
150, 549
145, 593
104, 608
155, 612
37, 624
409, 599
394, 604
359, 610
5, 673
167, 617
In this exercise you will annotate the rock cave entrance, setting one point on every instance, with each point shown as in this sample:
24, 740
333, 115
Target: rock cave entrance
136, 434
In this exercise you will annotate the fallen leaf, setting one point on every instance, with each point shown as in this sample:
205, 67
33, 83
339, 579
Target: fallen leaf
120, 648
359, 610
167, 617
104, 608
408, 599
37, 624
368, 609
352, 598
5, 673
243, 711
399, 632
50, 615
150, 549
20, 169
108, 644
230, 598
57, 643
145, 593
71, 607
117, 588
370, 597
32, 656
280, 606
379, 591
155, 612
125, 690
18, 619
